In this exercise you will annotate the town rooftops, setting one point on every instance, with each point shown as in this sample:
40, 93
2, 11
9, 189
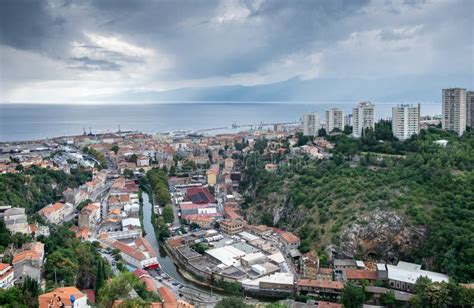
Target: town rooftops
33, 252
54, 207
227, 254
289, 237
357, 274
324, 284
59, 297
199, 195
90, 208
166, 295
128, 250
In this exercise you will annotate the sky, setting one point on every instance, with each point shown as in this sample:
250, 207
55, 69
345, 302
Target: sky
78, 51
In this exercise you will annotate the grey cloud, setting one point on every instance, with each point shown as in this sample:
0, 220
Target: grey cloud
86, 63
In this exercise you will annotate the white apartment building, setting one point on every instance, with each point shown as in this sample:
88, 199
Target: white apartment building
454, 110
470, 108
311, 124
405, 121
334, 119
16, 220
362, 118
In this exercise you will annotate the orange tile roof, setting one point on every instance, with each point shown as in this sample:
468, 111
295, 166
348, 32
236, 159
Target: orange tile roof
115, 212
326, 284
25, 255
289, 237
33, 228
360, 274
143, 244
175, 242
166, 295
59, 297
132, 252
90, 208
4, 266
52, 208
325, 271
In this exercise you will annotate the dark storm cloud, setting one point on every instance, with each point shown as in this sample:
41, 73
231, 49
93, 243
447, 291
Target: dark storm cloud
151, 42
27, 24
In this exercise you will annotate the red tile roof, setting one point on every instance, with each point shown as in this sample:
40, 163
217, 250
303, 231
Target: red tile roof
325, 284
360, 274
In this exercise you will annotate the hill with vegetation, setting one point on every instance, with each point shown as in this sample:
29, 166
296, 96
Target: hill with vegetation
375, 198
36, 187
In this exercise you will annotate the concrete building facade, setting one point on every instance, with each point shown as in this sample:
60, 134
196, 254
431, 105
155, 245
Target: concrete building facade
405, 121
362, 118
470, 108
311, 124
454, 110
334, 119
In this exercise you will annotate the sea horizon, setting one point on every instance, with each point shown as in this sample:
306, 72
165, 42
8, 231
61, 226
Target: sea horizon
25, 122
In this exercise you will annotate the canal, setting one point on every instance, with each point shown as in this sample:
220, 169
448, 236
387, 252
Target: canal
166, 263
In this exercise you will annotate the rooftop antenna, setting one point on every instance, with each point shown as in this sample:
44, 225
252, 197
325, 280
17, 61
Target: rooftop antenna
84, 131
90, 131
119, 129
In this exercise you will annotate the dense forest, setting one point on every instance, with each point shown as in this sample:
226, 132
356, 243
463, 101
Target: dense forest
36, 187
428, 184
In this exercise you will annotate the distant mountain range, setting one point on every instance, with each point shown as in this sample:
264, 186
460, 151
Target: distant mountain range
406, 89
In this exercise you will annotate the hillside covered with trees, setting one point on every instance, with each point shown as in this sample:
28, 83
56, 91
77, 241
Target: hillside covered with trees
428, 186
36, 187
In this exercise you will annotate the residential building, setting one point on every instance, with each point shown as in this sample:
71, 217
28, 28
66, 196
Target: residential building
348, 120
289, 240
404, 275
16, 221
334, 119
311, 124
319, 286
228, 163
454, 110
212, 174
362, 118
309, 265
405, 121
89, 216
7, 275
139, 253
359, 275
75, 196
231, 226
470, 109
64, 297
57, 212
29, 261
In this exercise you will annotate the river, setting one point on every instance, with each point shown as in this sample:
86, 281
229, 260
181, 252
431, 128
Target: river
166, 263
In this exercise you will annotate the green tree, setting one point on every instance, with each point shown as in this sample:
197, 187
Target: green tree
322, 132
168, 214
128, 173
115, 148
352, 296
232, 302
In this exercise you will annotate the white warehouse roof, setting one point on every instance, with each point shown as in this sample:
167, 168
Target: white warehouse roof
410, 272
228, 255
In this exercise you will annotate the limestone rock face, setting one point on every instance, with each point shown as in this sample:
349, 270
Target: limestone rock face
382, 235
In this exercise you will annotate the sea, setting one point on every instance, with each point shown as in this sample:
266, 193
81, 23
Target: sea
23, 122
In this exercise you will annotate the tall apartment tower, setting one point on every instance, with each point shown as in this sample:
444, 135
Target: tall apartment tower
311, 124
405, 121
470, 109
362, 118
454, 110
334, 119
